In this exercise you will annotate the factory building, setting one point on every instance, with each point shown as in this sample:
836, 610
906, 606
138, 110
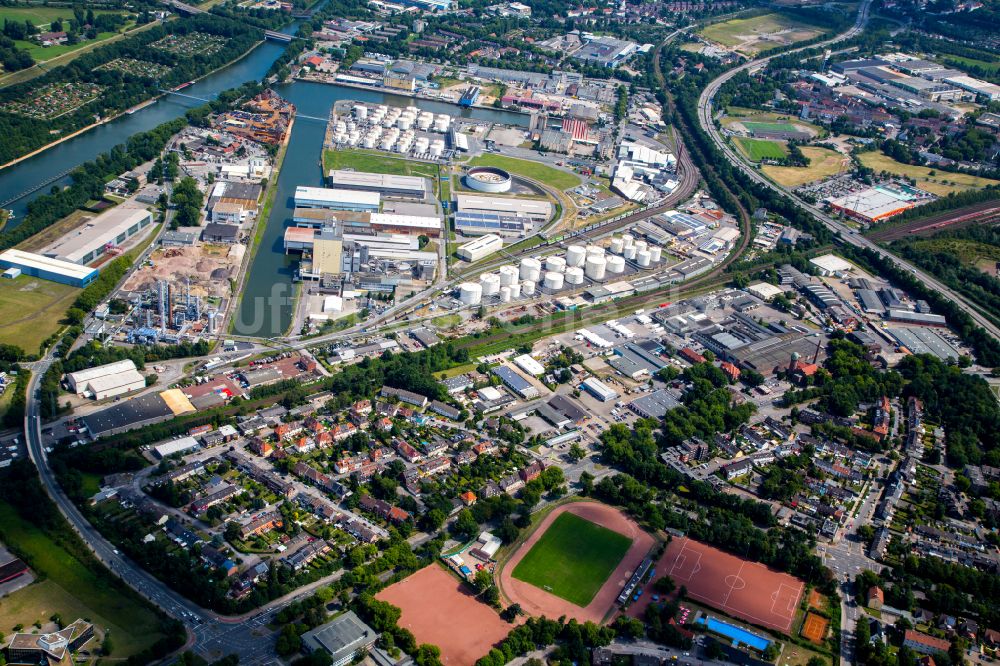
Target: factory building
389, 185
537, 210
599, 389
988, 91
106, 381
874, 204
93, 239
516, 382
480, 247
505, 224
419, 225
47, 268
331, 199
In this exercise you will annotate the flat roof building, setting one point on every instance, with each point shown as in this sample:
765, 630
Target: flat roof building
47, 268
470, 223
421, 225
655, 405
599, 389
128, 415
390, 185
480, 247
182, 445
95, 237
536, 209
332, 199
106, 381
342, 637
515, 382
829, 264
53, 648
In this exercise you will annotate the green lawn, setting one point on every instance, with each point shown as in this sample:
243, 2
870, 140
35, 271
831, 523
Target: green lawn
374, 162
557, 178
756, 126
30, 310
756, 32
761, 149
72, 589
573, 559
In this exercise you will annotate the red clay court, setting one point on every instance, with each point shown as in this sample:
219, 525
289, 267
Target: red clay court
746, 590
438, 610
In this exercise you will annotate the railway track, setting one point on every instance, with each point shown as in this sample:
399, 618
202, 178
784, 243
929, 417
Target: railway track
985, 213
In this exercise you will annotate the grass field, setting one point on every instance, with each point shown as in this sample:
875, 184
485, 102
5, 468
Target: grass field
941, 183
823, 163
71, 589
991, 66
573, 559
759, 32
31, 309
756, 150
756, 126
361, 160
557, 178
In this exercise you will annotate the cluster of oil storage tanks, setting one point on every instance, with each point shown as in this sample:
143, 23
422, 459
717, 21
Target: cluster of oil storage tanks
391, 128
638, 251
552, 273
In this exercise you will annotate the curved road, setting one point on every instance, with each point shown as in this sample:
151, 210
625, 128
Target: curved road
845, 233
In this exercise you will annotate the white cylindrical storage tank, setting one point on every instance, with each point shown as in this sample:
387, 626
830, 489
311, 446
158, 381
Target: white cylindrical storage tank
340, 137
436, 149
530, 269
616, 245
508, 276
628, 240
574, 275
388, 142
360, 111
553, 280
655, 252
371, 141
575, 254
441, 123
595, 251
596, 267
382, 108
528, 287
515, 290
470, 293
351, 126
424, 122
641, 245
629, 252
404, 123
642, 258
353, 138
616, 264
555, 264
505, 294
491, 284
413, 109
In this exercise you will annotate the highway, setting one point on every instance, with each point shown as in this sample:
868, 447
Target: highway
842, 232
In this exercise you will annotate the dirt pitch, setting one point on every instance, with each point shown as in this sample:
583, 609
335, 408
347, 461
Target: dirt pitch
535, 601
439, 610
814, 628
746, 590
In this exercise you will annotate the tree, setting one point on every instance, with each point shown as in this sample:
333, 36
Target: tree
576, 452
771, 652
466, 524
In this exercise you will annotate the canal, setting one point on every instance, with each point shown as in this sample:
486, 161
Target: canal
267, 303
267, 300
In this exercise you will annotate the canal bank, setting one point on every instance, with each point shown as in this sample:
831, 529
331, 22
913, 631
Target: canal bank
267, 304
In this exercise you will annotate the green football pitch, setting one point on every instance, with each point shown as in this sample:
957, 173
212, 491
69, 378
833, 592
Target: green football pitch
754, 126
573, 559
759, 149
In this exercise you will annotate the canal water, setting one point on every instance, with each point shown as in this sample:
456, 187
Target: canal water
267, 299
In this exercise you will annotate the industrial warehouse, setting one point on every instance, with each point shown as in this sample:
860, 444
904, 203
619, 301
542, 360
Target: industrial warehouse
389, 185
100, 235
538, 210
106, 381
331, 199
47, 268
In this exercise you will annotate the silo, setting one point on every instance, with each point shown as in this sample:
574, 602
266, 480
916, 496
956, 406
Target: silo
441, 123
371, 140
628, 240
505, 294
555, 264
655, 252
616, 265
491, 284
515, 290
531, 268
437, 148
642, 258
508, 276
575, 255
553, 280
360, 111
424, 121
470, 293
617, 244
528, 287
595, 268
574, 275
629, 252
404, 123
